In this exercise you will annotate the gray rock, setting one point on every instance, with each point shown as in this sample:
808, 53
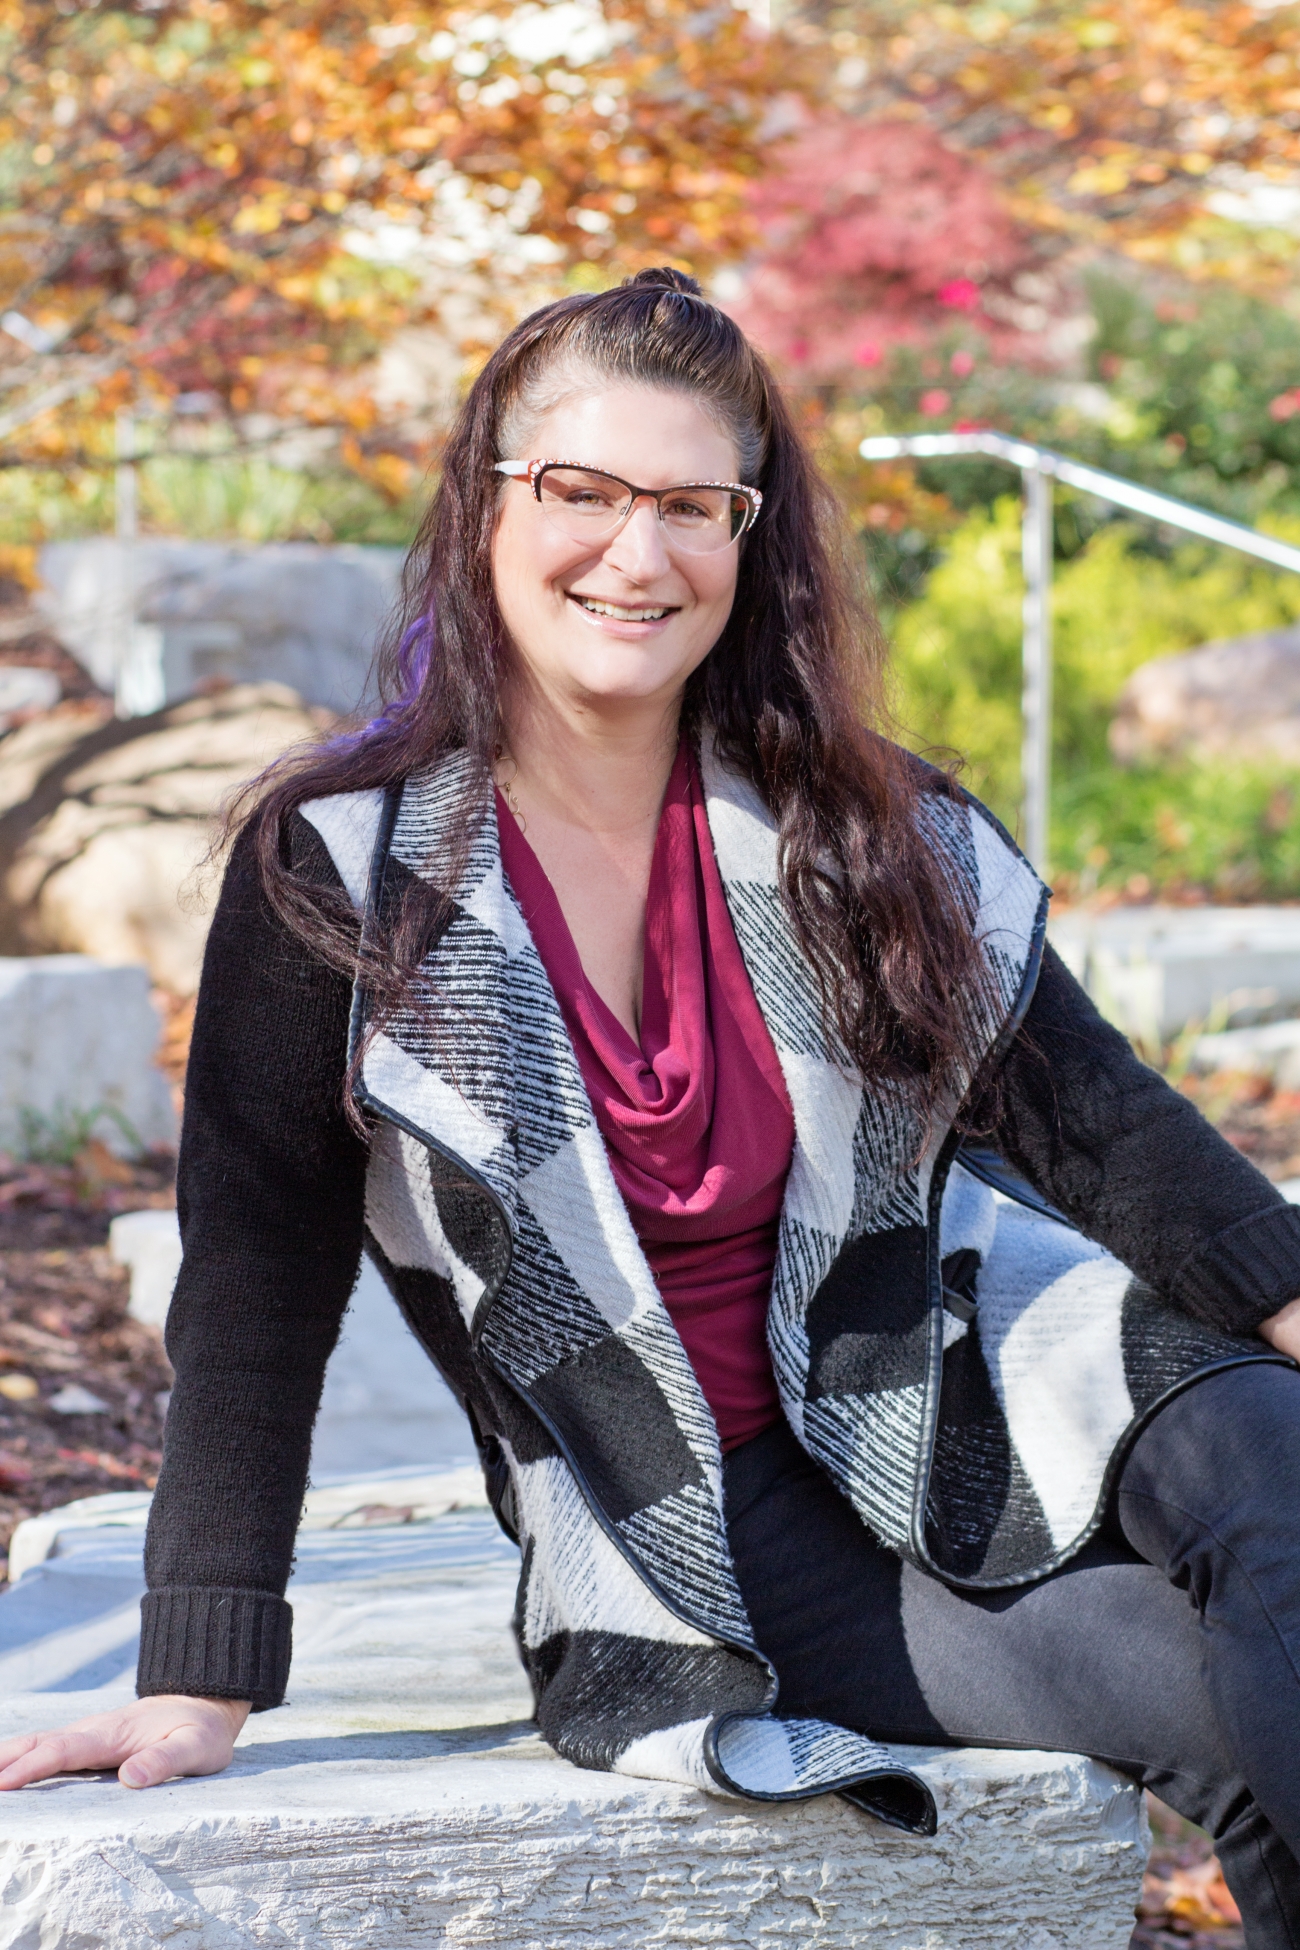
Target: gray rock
403, 1799
1238, 698
77, 1043
385, 1406
149, 1243
25, 688
73, 1399
1270, 1049
290, 612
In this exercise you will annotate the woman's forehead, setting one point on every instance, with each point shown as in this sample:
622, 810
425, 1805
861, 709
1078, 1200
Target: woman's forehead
637, 431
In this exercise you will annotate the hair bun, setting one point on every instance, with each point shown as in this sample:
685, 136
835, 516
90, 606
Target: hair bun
664, 278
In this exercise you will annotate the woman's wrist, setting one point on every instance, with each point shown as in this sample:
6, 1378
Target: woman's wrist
1282, 1329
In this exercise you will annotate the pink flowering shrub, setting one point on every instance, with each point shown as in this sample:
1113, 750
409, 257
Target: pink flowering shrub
876, 234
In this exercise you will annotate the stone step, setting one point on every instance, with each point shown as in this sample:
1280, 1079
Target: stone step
77, 1042
403, 1800
1155, 970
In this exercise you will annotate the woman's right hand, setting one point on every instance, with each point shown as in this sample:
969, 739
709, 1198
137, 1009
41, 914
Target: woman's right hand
149, 1741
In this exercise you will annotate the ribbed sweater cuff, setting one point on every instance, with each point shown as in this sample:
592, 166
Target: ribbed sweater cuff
214, 1644
1247, 1273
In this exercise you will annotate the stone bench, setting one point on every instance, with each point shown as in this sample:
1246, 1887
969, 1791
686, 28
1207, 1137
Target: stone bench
402, 1800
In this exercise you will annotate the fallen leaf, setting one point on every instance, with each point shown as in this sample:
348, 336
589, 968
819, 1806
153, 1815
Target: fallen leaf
1201, 1897
1197, 1898
95, 1164
18, 1387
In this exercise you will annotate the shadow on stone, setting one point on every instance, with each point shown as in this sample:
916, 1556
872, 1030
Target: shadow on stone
434, 1743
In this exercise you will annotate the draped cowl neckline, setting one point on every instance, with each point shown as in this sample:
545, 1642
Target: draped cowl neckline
695, 1115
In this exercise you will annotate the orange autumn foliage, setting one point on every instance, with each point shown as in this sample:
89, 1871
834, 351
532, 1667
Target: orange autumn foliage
202, 196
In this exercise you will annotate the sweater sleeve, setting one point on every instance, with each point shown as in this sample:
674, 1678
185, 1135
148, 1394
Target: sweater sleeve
1136, 1167
271, 1190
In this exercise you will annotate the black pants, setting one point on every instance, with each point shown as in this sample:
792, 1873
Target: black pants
1169, 1647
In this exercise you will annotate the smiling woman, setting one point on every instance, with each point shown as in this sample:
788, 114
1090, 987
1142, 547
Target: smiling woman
662, 1032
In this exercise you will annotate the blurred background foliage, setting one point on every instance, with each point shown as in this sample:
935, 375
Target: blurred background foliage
287, 237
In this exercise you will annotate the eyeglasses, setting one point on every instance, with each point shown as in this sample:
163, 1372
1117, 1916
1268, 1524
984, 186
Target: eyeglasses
589, 506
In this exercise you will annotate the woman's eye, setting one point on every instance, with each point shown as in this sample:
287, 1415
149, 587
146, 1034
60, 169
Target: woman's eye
683, 509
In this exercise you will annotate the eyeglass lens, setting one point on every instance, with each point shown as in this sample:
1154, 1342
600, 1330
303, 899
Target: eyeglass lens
588, 505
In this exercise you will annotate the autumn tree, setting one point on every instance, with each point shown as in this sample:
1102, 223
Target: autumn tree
240, 199
1150, 126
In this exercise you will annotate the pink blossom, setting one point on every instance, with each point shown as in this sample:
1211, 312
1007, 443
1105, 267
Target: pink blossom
963, 364
799, 350
867, 354
935, 401
959, 294
1285, 406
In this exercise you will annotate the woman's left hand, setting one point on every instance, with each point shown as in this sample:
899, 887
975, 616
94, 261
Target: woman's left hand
1282, 1330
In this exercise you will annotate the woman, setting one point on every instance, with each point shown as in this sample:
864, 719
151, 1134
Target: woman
661, 1033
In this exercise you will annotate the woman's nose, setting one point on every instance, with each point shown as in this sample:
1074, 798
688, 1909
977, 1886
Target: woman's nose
638, 549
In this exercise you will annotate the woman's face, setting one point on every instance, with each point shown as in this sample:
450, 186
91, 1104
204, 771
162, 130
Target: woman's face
575, 610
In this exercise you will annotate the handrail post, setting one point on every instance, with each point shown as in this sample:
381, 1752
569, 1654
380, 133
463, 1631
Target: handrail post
1036, 750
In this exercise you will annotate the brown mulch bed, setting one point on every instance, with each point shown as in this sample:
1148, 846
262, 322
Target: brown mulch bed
1261, 1121
63, 1322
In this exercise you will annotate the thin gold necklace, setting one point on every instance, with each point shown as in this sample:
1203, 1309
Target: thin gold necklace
507, 787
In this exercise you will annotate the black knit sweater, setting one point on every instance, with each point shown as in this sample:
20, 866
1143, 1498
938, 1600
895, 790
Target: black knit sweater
271, 1196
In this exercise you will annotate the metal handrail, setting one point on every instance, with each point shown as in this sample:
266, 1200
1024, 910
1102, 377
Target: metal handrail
1039, 467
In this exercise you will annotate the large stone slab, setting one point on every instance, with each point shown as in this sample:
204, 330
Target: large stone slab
403, 1800
1154, 970
77, 1043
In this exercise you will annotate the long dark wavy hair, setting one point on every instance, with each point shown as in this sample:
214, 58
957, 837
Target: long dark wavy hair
792, 690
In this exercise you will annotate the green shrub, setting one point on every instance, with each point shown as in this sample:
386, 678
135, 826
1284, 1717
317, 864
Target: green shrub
1114, 606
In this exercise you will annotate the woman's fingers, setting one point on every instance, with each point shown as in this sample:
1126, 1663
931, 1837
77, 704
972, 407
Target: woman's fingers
151, 1740
64, 1750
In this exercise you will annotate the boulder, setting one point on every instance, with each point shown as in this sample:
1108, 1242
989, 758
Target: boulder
1239, 698
296, 613
403, 1799
106, 823
385, 1406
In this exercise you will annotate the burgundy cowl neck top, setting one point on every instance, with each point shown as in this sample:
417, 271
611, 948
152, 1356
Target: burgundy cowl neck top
696, 1118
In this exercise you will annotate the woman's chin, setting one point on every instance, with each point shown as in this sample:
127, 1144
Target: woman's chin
622, 678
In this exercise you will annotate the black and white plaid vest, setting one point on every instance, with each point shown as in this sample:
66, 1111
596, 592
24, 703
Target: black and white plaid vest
979, 1448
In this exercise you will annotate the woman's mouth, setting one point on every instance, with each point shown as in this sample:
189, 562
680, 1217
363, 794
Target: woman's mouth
619, 612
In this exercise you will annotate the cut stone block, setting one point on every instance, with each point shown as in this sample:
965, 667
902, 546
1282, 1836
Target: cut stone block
385, 1405
150, 1244
1270, 1049
77, 1042
1154, 970
403, 1800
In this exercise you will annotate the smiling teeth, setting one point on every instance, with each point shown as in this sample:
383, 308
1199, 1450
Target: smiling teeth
621, 615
